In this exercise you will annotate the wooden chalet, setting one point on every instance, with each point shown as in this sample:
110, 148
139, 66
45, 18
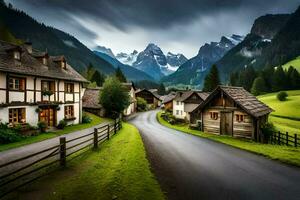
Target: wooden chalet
167, 101
231, 111
151, 96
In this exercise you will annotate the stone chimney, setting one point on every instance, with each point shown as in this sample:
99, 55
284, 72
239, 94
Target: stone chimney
28, 46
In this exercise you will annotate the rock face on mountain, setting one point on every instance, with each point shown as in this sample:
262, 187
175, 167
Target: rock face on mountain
250, 51
153, 61
127, 59
193, 70
268, 25
105, 50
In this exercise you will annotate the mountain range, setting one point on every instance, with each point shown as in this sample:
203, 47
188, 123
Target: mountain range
194, 70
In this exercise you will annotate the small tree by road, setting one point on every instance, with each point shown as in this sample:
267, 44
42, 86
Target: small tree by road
114, 97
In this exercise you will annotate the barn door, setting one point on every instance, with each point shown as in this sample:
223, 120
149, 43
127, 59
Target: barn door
226, 123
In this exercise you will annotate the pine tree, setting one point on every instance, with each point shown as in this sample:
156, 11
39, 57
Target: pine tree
294, 79
234, 79
259, 86
247, 77
212, 79
119, 74
279, 80
98, 78
90, 71
161, 89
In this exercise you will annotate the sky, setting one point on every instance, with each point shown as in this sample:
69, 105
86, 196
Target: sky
178, 26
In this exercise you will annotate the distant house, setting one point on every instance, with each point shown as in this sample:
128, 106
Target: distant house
167, 100
151, 96
231, 111
91, 102
185, 102
37, 87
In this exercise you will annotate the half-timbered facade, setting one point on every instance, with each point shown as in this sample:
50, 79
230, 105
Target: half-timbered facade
37, 87
231, 111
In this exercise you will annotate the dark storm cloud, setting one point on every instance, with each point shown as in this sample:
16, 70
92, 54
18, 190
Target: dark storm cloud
150, 13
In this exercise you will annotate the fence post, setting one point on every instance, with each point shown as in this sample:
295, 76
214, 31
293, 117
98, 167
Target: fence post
279, 137
62, 142
296, 140
108, 131
287, 138
95, 138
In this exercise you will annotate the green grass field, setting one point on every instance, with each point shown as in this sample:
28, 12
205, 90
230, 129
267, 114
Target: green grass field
290, 155
118, 170
295, 63
286, 116
44, 136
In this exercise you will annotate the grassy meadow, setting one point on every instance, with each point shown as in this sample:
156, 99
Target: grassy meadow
295, 63
286, 115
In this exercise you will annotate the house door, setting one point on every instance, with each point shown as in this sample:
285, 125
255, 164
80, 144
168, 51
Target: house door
226, 123
48, 115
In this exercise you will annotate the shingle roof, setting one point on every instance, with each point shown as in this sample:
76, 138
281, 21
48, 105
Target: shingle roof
243, 98
183, 95
169, 97
29, 65
90, 98
152, 91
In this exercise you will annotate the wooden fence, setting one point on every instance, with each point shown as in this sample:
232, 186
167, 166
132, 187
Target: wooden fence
284, 139
22, 171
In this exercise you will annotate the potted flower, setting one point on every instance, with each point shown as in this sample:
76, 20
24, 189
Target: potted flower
47, 93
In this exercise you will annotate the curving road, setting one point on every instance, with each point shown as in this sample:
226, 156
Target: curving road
190, 167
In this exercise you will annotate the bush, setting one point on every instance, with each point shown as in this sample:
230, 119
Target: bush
8, 135
62, 124
141, 104
267, 130
86, 119
42, 126
281, 96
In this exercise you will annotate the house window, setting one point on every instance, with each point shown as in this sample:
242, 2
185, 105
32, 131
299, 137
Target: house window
214, 115
177, 102
45, 62
181, 112
240, 118
177, 112
17, 55
69, 112
17, 115
17, 84
69, 87
48, 86
63, 65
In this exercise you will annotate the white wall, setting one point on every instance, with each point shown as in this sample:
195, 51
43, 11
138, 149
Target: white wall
180, 108
32, 117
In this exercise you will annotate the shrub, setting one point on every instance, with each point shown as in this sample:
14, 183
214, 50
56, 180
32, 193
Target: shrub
8, 135
267, 130
86, 119
141, 104
281, 96
17, 128
62, 124
42, 126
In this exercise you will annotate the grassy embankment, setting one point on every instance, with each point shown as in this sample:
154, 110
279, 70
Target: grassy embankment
44, 136
118, 170
286, 115
284, 154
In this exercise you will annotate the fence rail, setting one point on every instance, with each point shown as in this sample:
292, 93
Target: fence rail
21, 171
284, 139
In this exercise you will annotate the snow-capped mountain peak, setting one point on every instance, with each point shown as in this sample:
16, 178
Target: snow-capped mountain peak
105, 50
127, 59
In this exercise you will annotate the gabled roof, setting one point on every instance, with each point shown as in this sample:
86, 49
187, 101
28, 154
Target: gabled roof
152, 91
184, 95
241, 97
29, 65
90, 98
169, 97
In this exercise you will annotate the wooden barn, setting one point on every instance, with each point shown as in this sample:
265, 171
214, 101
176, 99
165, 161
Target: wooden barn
231, 111
150, 96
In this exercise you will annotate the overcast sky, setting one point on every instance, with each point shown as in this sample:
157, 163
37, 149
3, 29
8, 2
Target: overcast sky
179, 26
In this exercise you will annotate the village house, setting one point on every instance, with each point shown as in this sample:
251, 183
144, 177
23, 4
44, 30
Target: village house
91, 102
167, 101
37, 87
151, 96
185, 102
231, 111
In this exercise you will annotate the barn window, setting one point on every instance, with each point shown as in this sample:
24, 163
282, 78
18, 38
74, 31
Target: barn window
17, 115
240, 118
214, 115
